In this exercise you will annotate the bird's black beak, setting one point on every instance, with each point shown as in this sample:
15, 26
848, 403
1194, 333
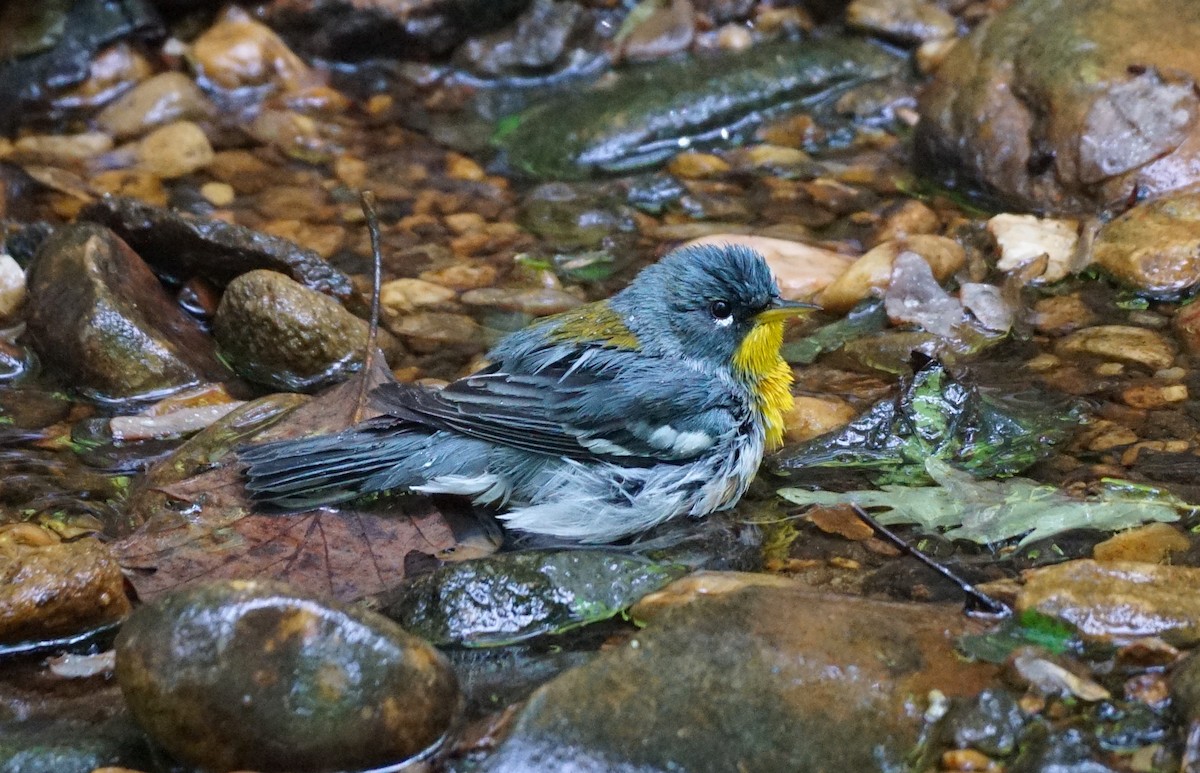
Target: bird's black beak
780, 310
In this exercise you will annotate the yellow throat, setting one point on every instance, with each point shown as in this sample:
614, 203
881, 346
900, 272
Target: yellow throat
758, 362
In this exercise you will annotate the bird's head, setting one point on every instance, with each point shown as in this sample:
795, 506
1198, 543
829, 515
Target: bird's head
717, 303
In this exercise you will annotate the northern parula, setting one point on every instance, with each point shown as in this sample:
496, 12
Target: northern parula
590, 425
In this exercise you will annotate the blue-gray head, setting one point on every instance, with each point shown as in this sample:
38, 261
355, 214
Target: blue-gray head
702, 302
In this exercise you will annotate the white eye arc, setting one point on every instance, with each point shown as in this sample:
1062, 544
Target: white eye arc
722, 312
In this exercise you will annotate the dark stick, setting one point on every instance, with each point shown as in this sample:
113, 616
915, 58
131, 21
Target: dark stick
367, 198
979, 604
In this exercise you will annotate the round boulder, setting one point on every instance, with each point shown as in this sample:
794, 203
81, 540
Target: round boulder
253, 675
1069, 105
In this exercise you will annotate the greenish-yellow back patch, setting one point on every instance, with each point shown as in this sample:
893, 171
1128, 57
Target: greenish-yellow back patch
758, 363
596, 323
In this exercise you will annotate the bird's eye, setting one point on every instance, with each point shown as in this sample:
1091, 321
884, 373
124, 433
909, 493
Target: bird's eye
720, 309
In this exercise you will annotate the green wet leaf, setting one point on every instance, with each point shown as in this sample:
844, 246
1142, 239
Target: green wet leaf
938, 417
1030, 628
991, 511
515, 596
867, 317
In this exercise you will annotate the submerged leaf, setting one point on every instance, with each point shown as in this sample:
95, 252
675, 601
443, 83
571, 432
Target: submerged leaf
938, 417
866, 317
1029, 628
989, 511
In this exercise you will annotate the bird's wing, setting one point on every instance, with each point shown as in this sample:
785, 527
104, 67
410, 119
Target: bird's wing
627, 409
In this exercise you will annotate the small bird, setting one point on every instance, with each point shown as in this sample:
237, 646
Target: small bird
590, 425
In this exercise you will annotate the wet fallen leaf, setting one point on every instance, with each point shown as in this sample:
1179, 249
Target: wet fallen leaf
203, 526
991, 511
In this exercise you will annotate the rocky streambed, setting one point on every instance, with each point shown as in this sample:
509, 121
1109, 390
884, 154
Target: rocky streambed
995, 204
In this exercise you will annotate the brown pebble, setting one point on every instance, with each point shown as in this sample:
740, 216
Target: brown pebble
967, 759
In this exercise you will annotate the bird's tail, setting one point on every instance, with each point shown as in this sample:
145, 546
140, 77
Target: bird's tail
311, 472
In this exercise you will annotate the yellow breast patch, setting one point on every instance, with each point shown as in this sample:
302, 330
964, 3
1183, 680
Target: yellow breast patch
758, 362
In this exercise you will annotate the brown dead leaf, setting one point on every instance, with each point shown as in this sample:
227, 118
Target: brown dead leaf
345, 554
203, 526
841, 520
335, 409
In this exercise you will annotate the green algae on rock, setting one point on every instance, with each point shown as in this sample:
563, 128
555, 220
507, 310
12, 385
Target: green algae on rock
515, 596
654, 112
251, 674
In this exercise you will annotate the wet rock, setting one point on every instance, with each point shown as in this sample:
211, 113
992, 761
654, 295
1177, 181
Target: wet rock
908, 218
1117, 600
236, 675
276, 332
667, 29
537, 42
431, 331
516, 596
12, 287
908, 21
1069, 104
574, 217
536, 303
990, 722
402, 296
182, 247
800, 681
1120, 343
1061, 314
53, 590
1185, 687
1154, 247
872, 273
72, 746
238, 52
99, 315
170, 151
1064, 751
652, 113
800, 270
48, 48
397, 29
62, 149
462, 276
811, 416
1023, 239
1153, 543
163, 99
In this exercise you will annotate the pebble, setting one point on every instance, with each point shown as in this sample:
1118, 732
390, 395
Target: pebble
432, 331
12, 287
462, 276
1186, 324
174, 150
1122, 343
1061, 314
218, 194
812, 416
905, 21
872, 273
403, 296
237, 52
698, 166
1153, 397
325, 240
1023, 239
64, 148
132, 183
909, 218
1153, 543
214, 672
1153, 246
537, 303
167, 97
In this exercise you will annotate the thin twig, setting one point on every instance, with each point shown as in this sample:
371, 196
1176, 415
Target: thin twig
367, 199
979, 604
